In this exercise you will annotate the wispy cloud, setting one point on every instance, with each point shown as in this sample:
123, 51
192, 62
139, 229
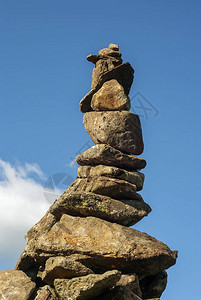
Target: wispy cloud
22, 204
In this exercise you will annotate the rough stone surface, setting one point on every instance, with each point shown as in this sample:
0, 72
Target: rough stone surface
15, 285
107, 155
136, 178
110, 96
153, 286
120, 129
123, 73
46, 293
114, 47
119, 293
124, 212
63, 267
114, 188
108, 245
86, 287
131, 282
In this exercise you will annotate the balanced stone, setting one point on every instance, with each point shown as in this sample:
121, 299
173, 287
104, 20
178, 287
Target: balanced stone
124, 212
114, 47
111, 96
153, 286
134, 177
108, 246
112, 187
130, 281
107, 155
120, 129
123, 73
86, 287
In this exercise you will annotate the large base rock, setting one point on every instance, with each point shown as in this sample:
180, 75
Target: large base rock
120, 129
107, 245
106, 155
15, 285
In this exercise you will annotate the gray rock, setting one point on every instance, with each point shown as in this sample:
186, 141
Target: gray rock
110, 96
108, 245
153, 286
114, 188
63, 267
106, 155
15, 285
124, 212
134, 177
119, 129
86, 287
123, 73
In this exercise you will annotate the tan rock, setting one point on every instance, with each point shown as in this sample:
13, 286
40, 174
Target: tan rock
120, 129
131, 282
110, 96
119, 293
114, 188
123, 73
15, 285
134, 177
114, 47
108, 246
106, 155
109, 52
123, 212
86, 287
46, 293
63, 267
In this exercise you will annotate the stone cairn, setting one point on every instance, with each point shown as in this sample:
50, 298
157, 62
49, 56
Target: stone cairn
83, 247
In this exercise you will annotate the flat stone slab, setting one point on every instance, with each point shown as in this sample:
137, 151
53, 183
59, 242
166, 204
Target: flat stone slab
63, 267
15, 285
120, 129
111, 187
86, 287
124, 212
110, 96
134, 177
107, 245
123, 73
106, 155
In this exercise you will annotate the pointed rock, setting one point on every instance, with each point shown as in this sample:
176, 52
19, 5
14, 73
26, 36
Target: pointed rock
106, 155
86, 287
120, 129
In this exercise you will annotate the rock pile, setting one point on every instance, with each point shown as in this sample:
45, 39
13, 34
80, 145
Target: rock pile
83, 247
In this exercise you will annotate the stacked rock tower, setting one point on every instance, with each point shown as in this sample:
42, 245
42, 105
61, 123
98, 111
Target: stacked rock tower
83, 247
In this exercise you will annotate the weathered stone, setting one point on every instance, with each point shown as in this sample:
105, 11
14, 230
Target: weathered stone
46, 293
134, 177
108, 245
120, 129
123, 73
86, 287
131, 282
109, 52
103, 65
63, 267
93, 58
124, 212
111, 96
43, 226
15, 285
106, 155
153, 286
114, 47
119, 293
114, 188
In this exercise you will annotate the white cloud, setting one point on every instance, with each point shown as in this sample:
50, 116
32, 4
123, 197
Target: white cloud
22, 204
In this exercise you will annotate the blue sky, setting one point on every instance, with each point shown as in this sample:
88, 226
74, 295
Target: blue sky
44, 75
